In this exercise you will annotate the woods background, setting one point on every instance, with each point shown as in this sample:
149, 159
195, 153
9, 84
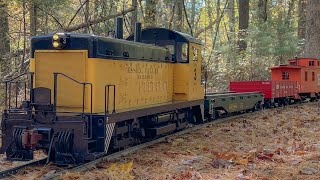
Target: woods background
241, 38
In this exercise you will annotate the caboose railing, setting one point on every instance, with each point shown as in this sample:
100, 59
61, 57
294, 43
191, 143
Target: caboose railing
84, 84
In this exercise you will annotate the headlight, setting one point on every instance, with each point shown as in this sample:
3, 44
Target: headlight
55, 44
55, 37
59, 40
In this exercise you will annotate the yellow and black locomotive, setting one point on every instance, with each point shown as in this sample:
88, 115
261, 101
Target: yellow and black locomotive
90, 95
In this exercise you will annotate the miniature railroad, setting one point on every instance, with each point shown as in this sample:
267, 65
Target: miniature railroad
14, 170
131, 150
92, 164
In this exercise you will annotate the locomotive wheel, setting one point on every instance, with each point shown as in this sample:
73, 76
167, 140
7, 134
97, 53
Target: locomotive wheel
254, 108
214, 116
286, 103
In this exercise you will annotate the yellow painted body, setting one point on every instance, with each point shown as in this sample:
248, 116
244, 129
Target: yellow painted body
138, 83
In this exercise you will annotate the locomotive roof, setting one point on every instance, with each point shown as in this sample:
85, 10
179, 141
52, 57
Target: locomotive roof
103, 47
154, 34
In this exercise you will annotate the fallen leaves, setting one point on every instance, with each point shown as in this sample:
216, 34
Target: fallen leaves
272, 144
116, 171
276, 144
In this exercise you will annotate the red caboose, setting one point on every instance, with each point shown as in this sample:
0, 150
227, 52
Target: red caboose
306, 71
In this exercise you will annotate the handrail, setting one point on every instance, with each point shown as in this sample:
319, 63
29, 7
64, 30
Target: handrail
106, 99
11, 81
55, 88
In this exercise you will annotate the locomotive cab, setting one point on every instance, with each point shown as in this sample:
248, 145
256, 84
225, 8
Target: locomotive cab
186, 55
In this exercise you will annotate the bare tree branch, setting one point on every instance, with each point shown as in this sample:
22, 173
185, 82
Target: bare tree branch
96, 21
185, 13
172, 16
75, 15
211, 23
51, 16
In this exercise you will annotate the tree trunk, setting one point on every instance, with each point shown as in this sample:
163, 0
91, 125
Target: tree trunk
216, 65
312, 49
87, 16
179, 15
4, 30
218, 11
263, 10
150, 17
33, 18
4, 37
290, 12
134, 15
243, 23
231, 16
193, 12
302, 19
24, 6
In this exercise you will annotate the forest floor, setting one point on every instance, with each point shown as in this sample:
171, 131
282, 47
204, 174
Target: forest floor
280, 143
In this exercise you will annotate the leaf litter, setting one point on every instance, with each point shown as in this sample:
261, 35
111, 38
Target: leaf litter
280, 143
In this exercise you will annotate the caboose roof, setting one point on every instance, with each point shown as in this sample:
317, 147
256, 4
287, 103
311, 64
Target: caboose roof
286, 67
302, 59
154, 34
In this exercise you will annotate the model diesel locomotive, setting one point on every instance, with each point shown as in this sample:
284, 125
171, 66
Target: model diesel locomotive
90, 95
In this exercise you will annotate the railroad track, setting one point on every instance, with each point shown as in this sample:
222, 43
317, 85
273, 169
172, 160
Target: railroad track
14, 170
92, 164
131, 150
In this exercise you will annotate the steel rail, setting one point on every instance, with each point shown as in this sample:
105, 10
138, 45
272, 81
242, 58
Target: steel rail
14, 170
133, 149
92, 164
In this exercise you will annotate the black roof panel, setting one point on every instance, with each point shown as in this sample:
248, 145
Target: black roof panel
154, 34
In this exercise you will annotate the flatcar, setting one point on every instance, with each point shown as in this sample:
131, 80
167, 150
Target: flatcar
218, 104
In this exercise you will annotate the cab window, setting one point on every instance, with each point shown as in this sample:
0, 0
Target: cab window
170, 48
195, 54
184, 52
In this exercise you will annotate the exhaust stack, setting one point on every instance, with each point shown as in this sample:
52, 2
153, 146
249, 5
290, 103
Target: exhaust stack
119, 28
137, 32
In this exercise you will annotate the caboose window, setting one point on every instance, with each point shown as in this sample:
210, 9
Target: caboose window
311, 63
285, 75
313, 76
306, 76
